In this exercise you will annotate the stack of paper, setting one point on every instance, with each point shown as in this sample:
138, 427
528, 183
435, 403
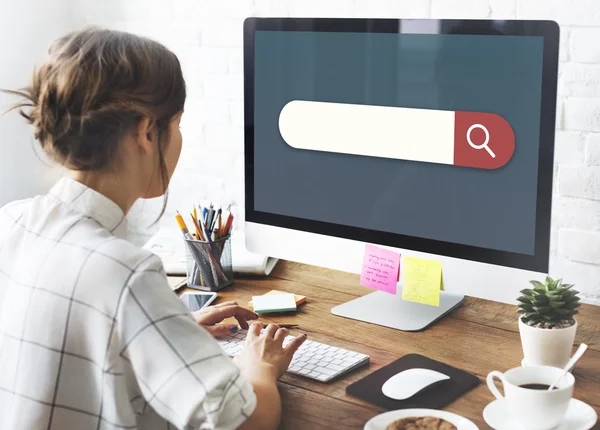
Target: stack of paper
270, 303
168, 244
297, 297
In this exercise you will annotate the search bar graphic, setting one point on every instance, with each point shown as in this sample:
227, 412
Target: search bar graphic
468, 139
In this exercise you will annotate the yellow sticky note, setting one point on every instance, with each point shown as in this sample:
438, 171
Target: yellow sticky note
422, 281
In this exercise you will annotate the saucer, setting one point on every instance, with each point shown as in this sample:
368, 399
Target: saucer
579, 416
381, 421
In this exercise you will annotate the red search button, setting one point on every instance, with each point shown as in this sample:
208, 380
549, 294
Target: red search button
482, 140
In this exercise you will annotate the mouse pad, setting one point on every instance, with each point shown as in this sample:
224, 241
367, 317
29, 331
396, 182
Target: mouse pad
435, 396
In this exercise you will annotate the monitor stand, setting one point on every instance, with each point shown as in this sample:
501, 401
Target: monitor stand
391, 311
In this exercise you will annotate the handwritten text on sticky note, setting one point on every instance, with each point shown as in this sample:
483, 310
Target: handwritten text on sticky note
422, 281
380, 269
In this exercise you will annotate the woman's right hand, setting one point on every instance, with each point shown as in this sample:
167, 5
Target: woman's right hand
263, 355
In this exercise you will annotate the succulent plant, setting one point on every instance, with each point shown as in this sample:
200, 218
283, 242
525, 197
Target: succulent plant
550, 304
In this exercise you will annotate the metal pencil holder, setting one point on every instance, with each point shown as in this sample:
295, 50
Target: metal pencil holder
209, 266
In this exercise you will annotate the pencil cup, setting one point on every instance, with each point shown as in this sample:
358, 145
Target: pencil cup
208, 264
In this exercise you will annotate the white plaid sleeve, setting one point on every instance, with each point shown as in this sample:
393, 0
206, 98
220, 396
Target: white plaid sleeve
182, 372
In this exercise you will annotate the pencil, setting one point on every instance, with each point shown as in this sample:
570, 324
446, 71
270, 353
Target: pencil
229, 224
181, 224
219, 224
205, 230
197, 227
223, 231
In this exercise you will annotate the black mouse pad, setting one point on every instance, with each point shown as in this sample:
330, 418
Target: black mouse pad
433, 397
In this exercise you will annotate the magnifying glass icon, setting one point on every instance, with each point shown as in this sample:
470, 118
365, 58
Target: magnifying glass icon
484, 145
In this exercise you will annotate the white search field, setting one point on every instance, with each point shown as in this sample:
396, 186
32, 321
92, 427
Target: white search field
470, 139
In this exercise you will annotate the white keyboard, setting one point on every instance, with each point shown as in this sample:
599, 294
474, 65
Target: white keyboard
312, 360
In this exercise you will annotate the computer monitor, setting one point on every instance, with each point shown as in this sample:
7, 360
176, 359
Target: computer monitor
434, 138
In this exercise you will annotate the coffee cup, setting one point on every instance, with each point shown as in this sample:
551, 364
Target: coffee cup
529, 404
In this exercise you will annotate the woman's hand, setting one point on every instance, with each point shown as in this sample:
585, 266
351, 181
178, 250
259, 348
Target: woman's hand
211, 316
264, 358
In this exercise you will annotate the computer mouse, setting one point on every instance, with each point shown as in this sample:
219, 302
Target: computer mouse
409, 382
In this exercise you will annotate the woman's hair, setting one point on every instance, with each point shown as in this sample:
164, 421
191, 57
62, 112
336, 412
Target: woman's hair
95, 86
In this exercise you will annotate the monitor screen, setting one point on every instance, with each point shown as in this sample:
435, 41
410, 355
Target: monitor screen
431, 136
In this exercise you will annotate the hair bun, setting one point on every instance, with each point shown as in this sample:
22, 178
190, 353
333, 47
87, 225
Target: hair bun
93, 88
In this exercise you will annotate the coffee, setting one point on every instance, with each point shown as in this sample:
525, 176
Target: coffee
528, 401
542, 387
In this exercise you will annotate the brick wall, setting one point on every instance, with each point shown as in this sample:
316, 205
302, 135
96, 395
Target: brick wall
207, 36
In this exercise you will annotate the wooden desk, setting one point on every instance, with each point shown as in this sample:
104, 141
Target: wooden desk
479, 337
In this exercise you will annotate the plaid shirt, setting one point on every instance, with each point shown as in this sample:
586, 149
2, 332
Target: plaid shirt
91, 336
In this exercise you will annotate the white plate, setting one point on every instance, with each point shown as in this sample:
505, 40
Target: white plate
579, 416
381, 421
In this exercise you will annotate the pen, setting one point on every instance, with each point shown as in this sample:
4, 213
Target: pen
219, 223
280, 325
209, 218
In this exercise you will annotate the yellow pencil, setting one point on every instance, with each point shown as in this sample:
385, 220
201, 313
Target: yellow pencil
219, 224
181, 224
199, 234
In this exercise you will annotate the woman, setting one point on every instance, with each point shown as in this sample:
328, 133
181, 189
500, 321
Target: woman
91, 336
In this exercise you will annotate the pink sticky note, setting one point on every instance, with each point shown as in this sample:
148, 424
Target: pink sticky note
380, 269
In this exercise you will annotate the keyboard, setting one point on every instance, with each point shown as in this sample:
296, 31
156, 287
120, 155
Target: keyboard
312, 360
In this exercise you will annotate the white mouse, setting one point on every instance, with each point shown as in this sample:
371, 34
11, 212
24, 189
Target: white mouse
409, 382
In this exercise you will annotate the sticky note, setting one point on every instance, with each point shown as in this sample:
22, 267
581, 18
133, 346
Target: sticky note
274, 303
380, 269
422, 281
299, 299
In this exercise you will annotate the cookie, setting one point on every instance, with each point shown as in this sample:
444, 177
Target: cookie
421, 423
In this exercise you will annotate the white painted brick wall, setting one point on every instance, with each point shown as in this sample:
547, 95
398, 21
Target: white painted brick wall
582, 46
207, 36
581, 246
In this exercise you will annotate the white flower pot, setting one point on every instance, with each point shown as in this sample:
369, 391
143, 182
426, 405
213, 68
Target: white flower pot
546, 347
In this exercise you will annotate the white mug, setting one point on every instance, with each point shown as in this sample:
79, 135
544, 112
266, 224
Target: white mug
534, 409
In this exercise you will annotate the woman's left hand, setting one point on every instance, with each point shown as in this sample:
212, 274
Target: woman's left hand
211, 316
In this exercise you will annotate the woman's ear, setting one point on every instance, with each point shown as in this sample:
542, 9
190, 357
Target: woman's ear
145, 135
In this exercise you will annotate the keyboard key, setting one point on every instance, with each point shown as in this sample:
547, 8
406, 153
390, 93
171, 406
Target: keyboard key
310, 366
325, 371
304, 371
337, 361
323, 377
334, 367
314, 375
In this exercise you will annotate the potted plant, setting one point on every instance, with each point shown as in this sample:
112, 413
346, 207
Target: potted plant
547, 324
